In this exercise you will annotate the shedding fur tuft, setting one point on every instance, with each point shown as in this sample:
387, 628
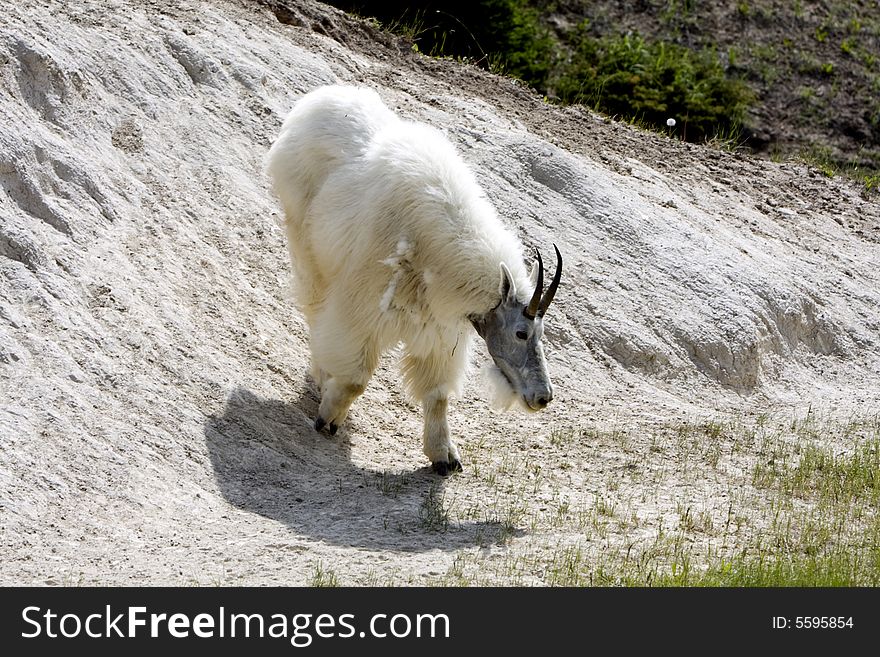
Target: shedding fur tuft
501, 395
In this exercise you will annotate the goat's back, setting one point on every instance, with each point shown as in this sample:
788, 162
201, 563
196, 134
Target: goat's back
327, 128
386, 210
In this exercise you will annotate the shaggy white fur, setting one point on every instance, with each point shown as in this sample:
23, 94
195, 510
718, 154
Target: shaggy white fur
501, 395
392, 240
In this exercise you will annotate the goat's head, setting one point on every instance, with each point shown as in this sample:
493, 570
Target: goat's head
513, 332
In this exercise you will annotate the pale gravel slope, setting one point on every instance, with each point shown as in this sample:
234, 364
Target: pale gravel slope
155, 424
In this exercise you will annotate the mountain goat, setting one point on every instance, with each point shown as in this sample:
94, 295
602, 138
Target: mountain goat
392, 240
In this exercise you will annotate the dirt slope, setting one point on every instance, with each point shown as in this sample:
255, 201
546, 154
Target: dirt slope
155, 418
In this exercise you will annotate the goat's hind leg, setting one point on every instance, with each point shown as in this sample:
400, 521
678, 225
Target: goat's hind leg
343, 365
337, 395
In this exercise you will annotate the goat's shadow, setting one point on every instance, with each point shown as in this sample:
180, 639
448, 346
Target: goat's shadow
269, 460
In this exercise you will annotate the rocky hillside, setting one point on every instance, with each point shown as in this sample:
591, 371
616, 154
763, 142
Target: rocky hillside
156, 417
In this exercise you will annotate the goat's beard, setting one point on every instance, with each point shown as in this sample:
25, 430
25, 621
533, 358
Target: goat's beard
502, 396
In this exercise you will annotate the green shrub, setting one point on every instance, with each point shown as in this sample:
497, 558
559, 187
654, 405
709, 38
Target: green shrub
650, 82
515, 33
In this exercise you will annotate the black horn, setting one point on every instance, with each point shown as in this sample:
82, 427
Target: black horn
551, 290
532, 308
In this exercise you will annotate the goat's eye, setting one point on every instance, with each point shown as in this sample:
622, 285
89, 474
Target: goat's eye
522, 335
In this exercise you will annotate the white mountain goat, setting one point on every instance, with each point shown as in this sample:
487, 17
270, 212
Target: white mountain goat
392, 240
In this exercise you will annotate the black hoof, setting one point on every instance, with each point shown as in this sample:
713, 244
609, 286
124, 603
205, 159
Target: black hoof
444, 469
321, 424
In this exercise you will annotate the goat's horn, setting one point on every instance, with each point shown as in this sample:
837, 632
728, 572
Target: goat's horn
551, 290
532, 308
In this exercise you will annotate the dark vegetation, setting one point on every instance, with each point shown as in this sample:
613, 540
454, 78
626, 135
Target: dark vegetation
651, 82
785, 79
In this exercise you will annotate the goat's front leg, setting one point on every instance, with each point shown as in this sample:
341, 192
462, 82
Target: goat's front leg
431, 378
437, 444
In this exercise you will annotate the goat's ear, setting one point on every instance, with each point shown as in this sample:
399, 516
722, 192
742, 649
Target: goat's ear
508, 287
533, 273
